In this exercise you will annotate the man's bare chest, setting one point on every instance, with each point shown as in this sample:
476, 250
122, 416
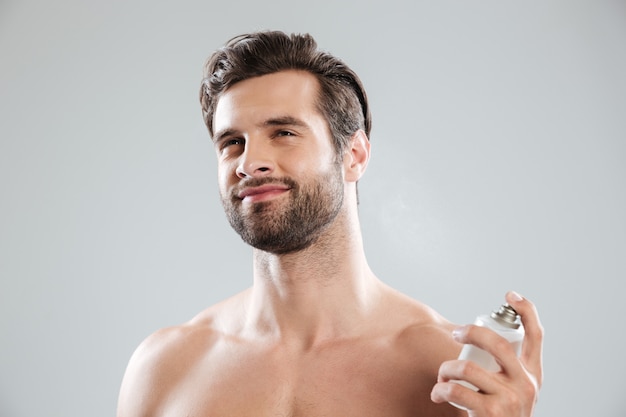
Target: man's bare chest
364, 381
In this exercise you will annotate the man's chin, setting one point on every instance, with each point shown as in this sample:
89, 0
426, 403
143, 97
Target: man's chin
279, 248
273, 241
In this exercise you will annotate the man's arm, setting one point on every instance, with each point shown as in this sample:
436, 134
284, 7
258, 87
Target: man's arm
511, 392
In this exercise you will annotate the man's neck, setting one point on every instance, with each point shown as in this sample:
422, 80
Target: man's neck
321, 293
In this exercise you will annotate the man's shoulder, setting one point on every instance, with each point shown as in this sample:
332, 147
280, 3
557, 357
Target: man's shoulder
420, 328
415, 313
163, 360
167, 343
199, 333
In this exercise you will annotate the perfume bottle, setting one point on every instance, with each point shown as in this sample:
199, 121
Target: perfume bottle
506, 322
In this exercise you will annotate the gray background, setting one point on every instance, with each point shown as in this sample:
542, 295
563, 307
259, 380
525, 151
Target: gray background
499, 144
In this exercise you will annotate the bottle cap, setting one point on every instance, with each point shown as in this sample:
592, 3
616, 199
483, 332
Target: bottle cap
506, 316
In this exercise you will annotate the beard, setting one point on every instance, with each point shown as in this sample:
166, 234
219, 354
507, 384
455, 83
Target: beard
282, 227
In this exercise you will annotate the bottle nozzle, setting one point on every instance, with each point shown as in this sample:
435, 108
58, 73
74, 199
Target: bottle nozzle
507, 316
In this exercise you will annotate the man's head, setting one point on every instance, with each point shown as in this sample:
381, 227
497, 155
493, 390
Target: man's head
280, 180
342, 99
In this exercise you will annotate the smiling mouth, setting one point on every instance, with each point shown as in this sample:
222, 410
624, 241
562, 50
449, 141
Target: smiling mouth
262, 193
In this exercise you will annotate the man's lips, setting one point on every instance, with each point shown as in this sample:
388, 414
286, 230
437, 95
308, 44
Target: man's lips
262, 192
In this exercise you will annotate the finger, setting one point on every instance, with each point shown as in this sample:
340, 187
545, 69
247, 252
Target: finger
465, 371
494, 344
533, 339
457, 394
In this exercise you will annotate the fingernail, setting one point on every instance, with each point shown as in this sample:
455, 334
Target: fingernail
515, 296
458, 333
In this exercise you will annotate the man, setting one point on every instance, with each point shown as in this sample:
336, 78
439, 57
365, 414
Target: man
317, 334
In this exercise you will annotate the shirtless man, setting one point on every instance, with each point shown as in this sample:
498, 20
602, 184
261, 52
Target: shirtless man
317, 334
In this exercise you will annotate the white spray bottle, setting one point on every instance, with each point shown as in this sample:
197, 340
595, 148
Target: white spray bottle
506, 322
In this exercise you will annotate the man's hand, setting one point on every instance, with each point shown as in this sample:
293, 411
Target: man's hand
512, 392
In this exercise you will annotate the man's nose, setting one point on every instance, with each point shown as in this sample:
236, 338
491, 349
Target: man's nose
255, 161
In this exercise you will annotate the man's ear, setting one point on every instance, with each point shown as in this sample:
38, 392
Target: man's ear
357, 156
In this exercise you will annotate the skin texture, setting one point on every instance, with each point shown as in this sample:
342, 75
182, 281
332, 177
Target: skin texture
317, 334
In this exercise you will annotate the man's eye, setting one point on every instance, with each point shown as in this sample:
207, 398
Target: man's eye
285, 133
230, 145
230, 142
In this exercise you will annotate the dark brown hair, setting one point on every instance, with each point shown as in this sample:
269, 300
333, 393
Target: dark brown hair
342, 99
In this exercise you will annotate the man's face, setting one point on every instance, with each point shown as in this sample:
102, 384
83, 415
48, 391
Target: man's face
280, 180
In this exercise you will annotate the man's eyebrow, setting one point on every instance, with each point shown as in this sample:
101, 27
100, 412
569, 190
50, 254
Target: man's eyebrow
285, 121
218, 136
273, 121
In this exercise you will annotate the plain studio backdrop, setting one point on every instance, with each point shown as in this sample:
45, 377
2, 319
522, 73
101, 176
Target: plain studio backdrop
499, 150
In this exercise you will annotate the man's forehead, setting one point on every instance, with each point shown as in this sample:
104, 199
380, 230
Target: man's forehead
277, 95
